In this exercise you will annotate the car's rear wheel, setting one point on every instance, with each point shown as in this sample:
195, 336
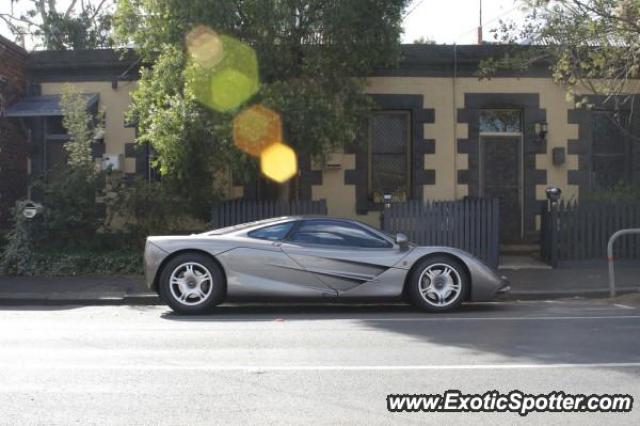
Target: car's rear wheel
438, 284
192, 283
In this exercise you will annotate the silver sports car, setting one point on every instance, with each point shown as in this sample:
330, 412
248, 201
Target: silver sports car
300, 257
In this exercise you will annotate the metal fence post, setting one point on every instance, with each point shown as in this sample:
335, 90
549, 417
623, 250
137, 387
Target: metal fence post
553, 234
387, 204
553, 195
610, 259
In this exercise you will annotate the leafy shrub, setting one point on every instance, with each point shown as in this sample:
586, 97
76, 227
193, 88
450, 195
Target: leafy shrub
149, 208
70, 217
86, 263
71, 236
17, 253
620, 193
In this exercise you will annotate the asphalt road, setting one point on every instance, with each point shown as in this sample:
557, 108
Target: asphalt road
311, 364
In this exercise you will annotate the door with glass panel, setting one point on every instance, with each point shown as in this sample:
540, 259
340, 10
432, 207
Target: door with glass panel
501, 168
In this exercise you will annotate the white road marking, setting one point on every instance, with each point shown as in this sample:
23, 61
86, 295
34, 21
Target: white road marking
619, 305
286, 318
276, 368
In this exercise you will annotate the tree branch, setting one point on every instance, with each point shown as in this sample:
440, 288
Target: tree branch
97, 10
70, 8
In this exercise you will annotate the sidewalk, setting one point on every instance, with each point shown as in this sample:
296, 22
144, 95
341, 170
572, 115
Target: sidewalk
581, 280
577, 279
82, 290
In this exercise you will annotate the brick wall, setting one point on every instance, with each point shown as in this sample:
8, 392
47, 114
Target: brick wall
13, 151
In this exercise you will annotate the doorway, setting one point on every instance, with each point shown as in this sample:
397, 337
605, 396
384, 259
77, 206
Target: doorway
501, 170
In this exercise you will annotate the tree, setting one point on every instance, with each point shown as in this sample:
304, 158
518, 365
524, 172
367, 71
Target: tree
83, 24
313, 57
591, 45
81, 129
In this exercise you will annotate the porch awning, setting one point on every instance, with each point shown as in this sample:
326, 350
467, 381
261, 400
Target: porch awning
44, 106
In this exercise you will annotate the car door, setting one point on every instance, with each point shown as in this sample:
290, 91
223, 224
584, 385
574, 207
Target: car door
258, 267
343, 254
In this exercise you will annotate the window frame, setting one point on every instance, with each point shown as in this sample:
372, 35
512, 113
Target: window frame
408, 151
299, 223
626, 154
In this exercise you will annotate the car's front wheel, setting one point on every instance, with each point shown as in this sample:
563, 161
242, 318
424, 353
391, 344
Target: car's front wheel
438, 284
192, 283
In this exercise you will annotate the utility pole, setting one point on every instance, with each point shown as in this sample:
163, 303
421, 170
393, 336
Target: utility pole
480, 26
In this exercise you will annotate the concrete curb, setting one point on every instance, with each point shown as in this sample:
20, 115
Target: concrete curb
151, 299
132, 300
564, 294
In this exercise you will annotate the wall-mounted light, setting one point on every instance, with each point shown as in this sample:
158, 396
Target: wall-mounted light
541, 129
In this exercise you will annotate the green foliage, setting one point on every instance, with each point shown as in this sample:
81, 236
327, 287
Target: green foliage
148, 208
589, 44
70, 217
17, 255
313, 57
621, 193
78, 123
66, 263
83, 25
180, 131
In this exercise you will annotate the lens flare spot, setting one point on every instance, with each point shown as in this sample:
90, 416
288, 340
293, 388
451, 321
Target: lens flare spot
278, 162
221, 81
205, 46
256, 128
230, 88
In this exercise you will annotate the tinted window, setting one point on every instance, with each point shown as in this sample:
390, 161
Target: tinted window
610, 153
389, 167
336, 233
273, 233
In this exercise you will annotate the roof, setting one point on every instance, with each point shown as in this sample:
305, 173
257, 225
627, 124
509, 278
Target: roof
8, 44
83, 65
416, 60
44, 106
438, 60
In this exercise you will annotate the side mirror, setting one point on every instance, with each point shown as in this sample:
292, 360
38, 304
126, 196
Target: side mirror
402, 241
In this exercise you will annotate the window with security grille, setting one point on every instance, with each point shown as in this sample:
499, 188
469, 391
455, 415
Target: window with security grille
389, 155
610, 150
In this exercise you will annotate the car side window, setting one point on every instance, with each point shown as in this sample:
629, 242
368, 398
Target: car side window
273, 232
337, 233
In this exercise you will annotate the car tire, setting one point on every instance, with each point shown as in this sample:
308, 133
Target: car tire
192, 283
438, 284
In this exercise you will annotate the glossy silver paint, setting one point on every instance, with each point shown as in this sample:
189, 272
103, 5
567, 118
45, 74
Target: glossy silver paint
281, 269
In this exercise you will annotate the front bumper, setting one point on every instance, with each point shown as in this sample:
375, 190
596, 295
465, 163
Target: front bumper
153, 257
504, 289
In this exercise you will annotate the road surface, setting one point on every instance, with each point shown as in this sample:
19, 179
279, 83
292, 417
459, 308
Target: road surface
313, 364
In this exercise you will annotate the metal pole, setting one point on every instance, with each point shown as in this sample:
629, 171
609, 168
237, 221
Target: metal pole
610, 259
553, 218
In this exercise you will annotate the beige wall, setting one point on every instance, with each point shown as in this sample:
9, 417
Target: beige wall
443, 95
114, 102
446, 96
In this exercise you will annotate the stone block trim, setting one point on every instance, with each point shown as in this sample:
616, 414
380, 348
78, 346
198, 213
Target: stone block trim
307, 178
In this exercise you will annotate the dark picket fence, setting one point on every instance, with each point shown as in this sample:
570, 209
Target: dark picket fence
583, 229
234, 212
471, 225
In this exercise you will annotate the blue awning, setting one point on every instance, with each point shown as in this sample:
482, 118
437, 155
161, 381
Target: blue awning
44, 106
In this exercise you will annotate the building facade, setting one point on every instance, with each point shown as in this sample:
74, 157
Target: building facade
13, 137
439, 133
